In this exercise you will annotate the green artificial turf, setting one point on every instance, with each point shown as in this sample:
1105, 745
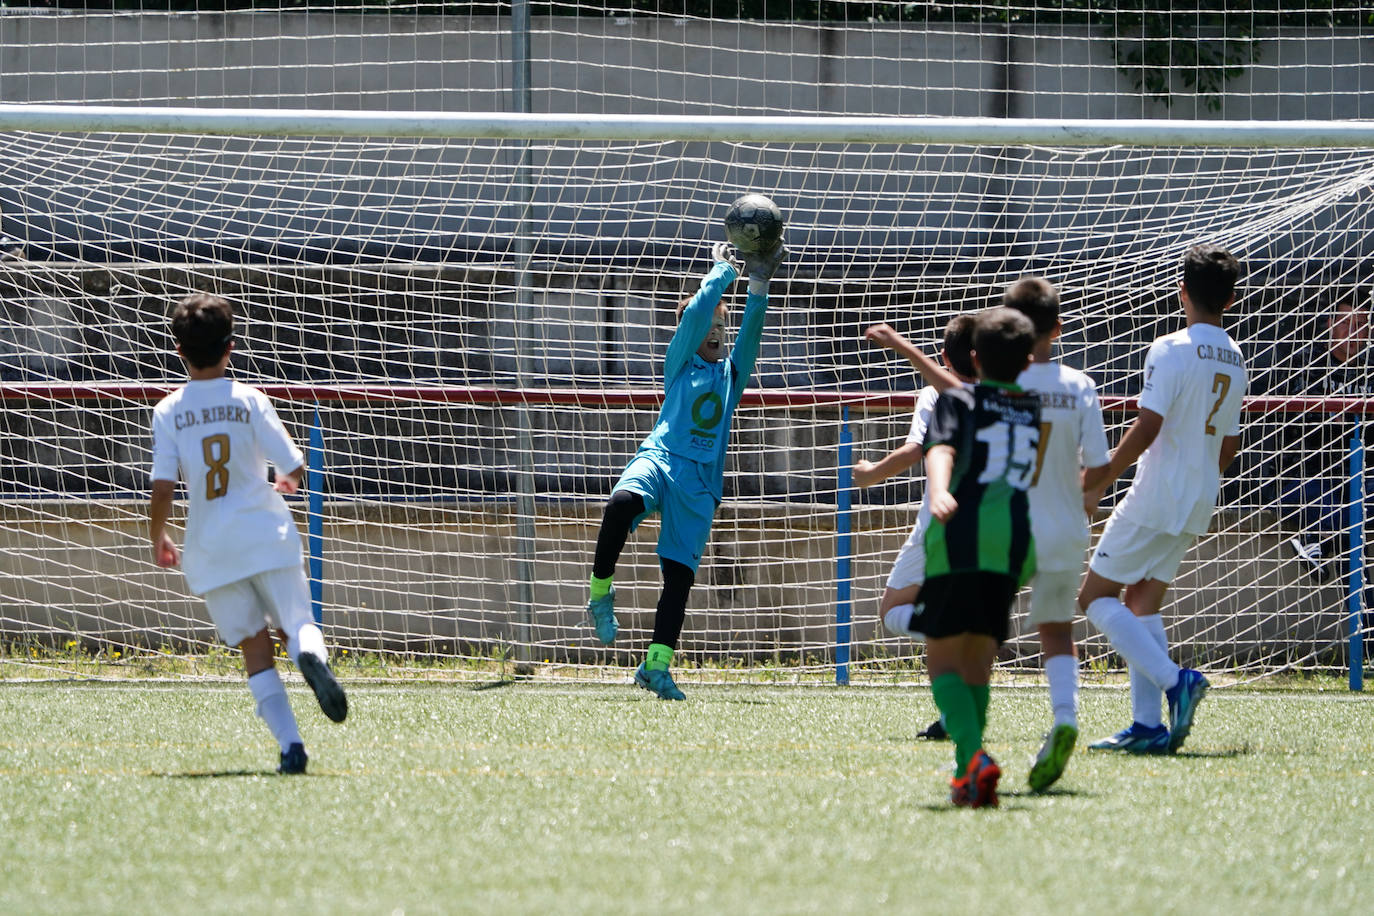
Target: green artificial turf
160, 797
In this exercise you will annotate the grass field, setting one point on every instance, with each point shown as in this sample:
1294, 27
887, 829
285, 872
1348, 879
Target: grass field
158, 797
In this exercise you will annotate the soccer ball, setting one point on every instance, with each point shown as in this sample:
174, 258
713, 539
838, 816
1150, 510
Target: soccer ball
753, 223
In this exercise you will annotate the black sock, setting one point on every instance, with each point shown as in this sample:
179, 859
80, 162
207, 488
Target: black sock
672, 603
622, 509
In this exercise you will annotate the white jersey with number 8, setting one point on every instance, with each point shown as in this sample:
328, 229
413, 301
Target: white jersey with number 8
1195, 379
220, 434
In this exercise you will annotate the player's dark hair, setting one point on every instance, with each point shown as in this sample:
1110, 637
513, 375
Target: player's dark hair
1210, 273
1003, 340
203, 324
959, 344
681, 306
1037, 299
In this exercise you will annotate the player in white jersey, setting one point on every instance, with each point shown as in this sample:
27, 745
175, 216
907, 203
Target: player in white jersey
1072, 455
908, 573
242, 550
1187, 433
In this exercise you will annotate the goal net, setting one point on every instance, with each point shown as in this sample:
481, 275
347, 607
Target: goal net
471, 326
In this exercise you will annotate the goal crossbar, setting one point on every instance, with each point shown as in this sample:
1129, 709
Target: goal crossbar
737, 128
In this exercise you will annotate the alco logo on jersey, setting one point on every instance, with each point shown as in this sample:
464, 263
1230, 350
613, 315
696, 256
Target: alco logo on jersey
707, 412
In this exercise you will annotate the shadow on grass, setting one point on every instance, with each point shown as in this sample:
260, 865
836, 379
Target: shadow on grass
493, 685
1220, 753
229, 774
214, 774
1018, 799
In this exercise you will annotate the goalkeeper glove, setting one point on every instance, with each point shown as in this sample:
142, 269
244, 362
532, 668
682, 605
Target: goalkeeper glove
761, 265
721, 252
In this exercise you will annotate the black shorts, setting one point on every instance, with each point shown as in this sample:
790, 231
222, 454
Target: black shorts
969, 602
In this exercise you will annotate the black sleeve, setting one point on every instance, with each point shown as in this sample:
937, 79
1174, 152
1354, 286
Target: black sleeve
952, 410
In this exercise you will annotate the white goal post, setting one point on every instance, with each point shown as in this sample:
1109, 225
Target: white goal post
468, 311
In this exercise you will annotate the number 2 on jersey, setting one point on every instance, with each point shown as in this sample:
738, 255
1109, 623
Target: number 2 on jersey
1220, 382
215, 450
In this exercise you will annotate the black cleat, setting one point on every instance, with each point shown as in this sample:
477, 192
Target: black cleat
935, 731
327, 690
293, 760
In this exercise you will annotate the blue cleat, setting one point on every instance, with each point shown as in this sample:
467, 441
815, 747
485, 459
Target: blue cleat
1136, 739
660, 682
1053, 757
1183, 698
293, 760
602, 613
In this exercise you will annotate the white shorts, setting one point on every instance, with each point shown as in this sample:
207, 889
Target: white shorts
1054, 596
1129, 553
910, 566
275, 598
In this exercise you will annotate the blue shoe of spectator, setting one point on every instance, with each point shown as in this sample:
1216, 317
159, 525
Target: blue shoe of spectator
602, 613
1136, 739
1183, 698
658, 681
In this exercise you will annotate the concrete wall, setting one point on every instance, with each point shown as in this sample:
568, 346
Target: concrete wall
643, 64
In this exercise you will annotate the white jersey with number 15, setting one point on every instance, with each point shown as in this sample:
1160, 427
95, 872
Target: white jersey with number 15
219, 435
1195, 379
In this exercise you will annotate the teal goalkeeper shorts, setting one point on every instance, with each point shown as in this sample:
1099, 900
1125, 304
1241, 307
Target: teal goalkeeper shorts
672, 487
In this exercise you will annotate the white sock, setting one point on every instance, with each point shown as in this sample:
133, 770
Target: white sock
307, 639
1133, 641
1147, 700
274, 707
1062, 673
898, 621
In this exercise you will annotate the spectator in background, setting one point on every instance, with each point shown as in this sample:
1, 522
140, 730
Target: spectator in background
1337, 364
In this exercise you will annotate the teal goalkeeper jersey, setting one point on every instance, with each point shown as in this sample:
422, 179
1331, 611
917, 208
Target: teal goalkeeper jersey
700, 397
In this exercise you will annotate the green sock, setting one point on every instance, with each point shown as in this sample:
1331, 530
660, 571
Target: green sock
981, 694
659, 657
955, 701
601, 587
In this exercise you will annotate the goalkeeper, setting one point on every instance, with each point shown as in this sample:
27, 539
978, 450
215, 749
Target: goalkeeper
679, 468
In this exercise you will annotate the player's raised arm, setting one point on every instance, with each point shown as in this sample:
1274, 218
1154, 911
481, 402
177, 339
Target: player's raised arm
885, 336
695, 321
760, 267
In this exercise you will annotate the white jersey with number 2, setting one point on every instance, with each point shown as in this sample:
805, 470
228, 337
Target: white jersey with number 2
220, 434
1195, 379
1071, 437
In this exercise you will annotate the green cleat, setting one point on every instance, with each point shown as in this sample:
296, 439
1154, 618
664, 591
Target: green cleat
601, 611
1053, 757
660, 682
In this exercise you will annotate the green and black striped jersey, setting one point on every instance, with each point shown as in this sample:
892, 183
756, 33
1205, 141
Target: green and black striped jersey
994, 430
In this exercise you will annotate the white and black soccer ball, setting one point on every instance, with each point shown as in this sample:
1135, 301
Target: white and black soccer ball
753, 223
